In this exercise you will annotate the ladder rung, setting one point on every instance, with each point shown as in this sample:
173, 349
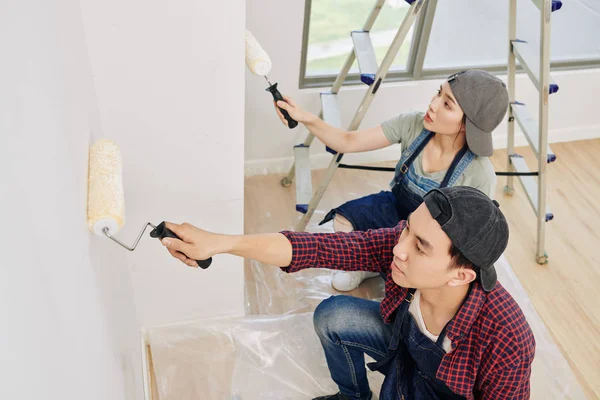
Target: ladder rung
365, 54
556, 4
531, 64
529, 183
303, 177
530, 128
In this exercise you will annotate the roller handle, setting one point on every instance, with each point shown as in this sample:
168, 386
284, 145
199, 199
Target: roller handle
161, 232
292, 123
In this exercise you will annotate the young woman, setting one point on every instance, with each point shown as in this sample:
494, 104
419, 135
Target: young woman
448, 145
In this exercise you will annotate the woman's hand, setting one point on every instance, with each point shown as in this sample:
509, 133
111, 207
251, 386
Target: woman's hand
295, 111
195, 243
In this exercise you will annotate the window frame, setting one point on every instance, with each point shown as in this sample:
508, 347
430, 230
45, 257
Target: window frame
416, 57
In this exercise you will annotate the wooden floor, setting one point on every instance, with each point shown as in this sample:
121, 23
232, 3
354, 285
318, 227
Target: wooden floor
565, 292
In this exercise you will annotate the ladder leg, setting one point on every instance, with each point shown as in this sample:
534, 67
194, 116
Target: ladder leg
510, 148
541, 256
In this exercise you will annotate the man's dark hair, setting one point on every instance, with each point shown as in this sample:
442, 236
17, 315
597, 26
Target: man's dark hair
459, 260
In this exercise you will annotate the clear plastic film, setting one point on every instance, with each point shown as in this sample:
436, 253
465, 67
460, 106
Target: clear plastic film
254, 357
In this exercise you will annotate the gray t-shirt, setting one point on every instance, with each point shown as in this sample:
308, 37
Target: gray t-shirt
405, 128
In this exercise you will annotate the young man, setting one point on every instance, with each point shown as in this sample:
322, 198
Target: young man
445, 329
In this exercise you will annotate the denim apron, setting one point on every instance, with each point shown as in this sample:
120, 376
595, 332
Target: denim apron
412, 362
386, 209
409, 188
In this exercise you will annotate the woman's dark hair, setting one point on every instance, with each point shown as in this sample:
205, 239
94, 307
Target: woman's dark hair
462, 125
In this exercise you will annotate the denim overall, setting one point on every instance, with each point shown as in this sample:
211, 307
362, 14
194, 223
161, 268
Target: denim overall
386, 209
412, 362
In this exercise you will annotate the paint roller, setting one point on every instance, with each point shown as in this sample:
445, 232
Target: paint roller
259, 63
106, 200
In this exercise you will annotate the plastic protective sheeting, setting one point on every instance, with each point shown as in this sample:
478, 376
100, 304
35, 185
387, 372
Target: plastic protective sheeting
275, 354
255, 357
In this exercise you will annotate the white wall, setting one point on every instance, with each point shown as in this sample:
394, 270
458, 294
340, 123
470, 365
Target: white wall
170, 84
69, 326
269, 144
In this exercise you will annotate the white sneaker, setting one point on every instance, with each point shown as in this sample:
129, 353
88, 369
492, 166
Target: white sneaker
345, 281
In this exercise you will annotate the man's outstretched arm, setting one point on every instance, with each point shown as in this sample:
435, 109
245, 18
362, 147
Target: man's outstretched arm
353, 251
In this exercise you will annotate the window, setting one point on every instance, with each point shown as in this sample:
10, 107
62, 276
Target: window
474, 34
329, 42
449, 35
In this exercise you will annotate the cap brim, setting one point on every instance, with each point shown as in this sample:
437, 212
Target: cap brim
488, 278
480, 142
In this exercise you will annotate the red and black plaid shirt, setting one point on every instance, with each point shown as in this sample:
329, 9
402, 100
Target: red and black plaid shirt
492, 344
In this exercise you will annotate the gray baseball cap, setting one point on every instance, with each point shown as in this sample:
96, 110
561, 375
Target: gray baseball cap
484, 100
474, 224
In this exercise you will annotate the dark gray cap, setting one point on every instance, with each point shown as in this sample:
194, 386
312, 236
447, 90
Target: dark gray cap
484, 100
474, 224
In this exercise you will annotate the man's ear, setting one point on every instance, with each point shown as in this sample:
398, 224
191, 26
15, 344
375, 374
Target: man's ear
462, 276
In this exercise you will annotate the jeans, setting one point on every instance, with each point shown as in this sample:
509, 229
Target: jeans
374, 211
349, 327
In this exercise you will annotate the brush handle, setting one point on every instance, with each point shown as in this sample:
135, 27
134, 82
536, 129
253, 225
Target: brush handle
161, 232
292, 123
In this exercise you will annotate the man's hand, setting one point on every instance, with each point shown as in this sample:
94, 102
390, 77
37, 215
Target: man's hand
195, 243
295, 111
198, 244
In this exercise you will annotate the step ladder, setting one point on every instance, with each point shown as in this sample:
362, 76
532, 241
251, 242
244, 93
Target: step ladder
537, 68
371, 75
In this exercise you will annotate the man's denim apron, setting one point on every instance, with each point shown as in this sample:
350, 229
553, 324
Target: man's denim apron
412, 362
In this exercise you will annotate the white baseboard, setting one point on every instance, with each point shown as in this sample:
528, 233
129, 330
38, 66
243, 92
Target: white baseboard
321, 160
318, 161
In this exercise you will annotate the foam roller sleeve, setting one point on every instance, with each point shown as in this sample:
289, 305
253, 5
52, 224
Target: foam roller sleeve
257, 59
106, 199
